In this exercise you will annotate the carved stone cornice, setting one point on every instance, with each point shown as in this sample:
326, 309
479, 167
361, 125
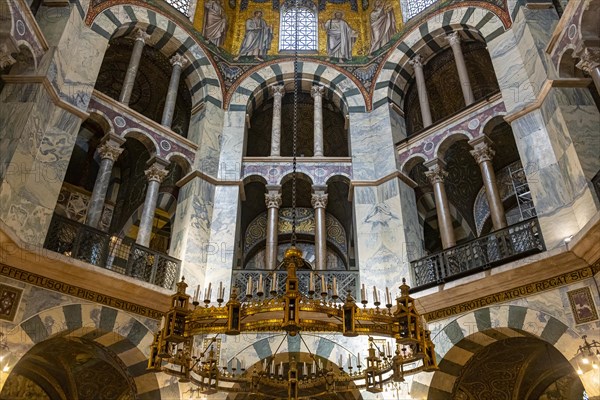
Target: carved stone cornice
273, 200
178, 60
317, 91
319, 200
156, 172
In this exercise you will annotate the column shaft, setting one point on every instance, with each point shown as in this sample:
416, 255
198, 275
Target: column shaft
436, 175
155, 174
109, 152
319, 203
463, 75
273, 202
132, 68
483, 154
278, 92
422, 91
178, 61
317, 94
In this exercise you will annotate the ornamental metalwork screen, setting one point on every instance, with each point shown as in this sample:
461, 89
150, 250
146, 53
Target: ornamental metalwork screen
306, 25
181, 5
410, 8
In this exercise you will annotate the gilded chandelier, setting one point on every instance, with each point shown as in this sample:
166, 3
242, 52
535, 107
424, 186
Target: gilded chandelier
292, 312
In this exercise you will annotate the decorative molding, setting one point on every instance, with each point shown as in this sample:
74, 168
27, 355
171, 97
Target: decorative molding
582, 305
9, 302
514, 293
76, 291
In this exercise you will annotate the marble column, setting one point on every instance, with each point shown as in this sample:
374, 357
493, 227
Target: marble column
319, 203
463, 75
273, 202
590, 63
177, 61
134, 63
155, 175
483, 154
109, 151
278, 92
317, 94
436, 176
416, 62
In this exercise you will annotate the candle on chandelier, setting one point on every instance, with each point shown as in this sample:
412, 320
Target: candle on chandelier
341, 361
311, 282
363, 294
314, 367
388, 296
349, 361
358, 360
260, 284
273, 367
323, 284
221, 291
305, 369
335, 290
249, 287
280, 368
274, 283
196, 294
207, 292
389, 346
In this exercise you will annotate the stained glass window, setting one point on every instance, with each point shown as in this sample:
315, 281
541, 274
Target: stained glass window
181, 5
410, 8
303, 18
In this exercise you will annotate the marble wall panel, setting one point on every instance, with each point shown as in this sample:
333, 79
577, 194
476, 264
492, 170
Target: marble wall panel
191, 229
388, 234
35, 170
231, 145
210, 140
371, 144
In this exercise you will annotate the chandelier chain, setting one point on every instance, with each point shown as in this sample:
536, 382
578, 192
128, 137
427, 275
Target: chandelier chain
295, 128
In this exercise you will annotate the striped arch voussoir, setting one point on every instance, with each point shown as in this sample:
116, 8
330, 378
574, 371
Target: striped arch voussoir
118, 332
459, 340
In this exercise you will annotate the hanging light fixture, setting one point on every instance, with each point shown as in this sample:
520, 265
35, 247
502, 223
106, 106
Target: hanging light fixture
407, 350
589, 354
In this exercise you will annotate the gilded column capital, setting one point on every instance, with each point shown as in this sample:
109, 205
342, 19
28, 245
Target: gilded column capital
156, 172
589, 58
437, 172
453, 39
273, 200
141, 35
417, 61
317, 91
319, 200
277, 90
109, 151
179, 60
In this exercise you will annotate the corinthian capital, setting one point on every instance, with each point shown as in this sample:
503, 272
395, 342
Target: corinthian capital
319, 200
483, 153
277, 90
589, 58
109, 151
453, 39
156, 172
273, 200
141, 35
179, 60
317, 91
416, 61
436, 173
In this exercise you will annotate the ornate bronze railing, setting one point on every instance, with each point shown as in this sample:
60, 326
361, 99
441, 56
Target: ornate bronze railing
508, 244
121, 255
345, 280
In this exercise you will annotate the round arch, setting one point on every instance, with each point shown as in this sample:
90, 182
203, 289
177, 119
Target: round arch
201, 74
121, 333
459, 339
249, 92
474, 22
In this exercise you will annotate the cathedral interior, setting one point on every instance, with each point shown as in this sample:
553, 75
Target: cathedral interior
299, 199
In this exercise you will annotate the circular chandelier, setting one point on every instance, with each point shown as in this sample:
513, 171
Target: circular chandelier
292, 313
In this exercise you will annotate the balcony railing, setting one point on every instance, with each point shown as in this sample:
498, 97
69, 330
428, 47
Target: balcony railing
124, 256
346, 281
505, 245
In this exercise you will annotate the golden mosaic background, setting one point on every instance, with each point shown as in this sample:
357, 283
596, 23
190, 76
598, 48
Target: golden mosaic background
236, 19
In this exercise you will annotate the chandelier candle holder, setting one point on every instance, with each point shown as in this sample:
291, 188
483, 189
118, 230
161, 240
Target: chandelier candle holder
292, 312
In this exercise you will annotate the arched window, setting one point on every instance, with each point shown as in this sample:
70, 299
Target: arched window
300, 15
181, 5
410, 8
